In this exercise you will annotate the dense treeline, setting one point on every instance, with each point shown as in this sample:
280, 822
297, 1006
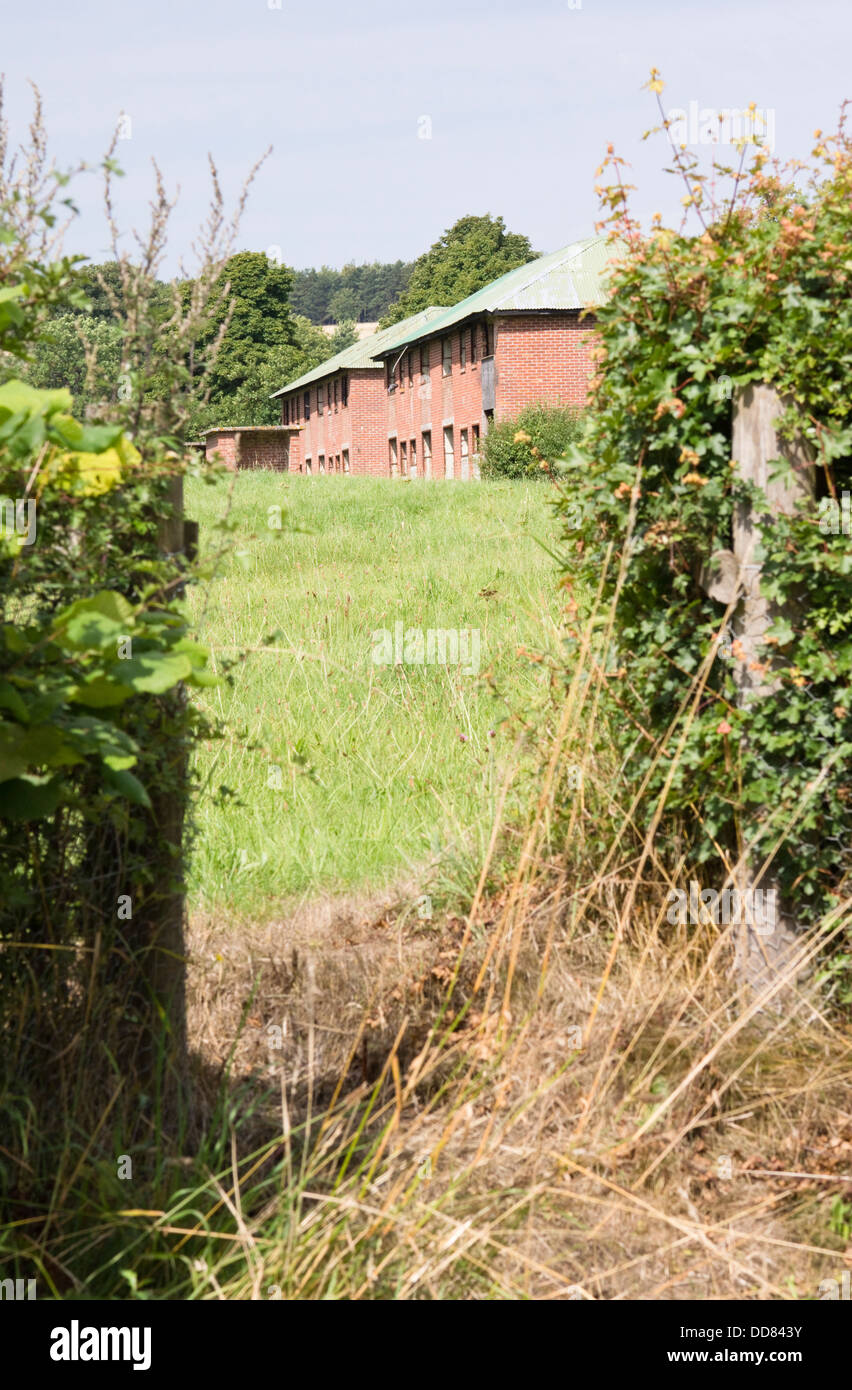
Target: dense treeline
269, 316
466, 258
360, 292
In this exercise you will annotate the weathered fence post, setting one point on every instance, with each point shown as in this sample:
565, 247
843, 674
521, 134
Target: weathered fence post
163, 912
767, 937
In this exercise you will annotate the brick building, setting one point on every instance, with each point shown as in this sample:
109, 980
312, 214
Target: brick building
415, 399
251, 446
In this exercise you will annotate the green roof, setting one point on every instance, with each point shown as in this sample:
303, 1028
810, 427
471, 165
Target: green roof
363, 354
573, 278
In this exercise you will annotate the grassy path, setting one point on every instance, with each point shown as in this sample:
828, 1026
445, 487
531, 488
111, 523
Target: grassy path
346, 771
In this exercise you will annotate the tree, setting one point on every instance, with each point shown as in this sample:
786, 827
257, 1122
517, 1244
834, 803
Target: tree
471, 253
345, 335
252, 403
101, 285
59, 358
344, 304
374, 287
261, 320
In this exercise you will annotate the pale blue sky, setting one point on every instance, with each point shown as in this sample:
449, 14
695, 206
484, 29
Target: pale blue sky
522, 99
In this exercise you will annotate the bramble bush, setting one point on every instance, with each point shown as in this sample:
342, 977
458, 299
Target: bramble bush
525, 446
757, 291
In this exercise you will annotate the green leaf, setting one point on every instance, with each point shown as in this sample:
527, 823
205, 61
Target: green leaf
30, 798
38, 745
100, 693
16, 398
11, 700
128, 786
84, 439
83, 624
152, 672
86, 631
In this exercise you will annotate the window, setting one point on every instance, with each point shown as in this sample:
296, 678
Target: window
394, 464
488, 350
465, 456
346, 468
473, 343
308, 465
389, 374
400, 372
286, 414
344, 391
337, 463
322, 463
427, 453
446, 357
424, 359
474, 439
409, 357
307, 405
412, 459
462, 350
403, 459
448, 451
320, 399
489, 420
335, 395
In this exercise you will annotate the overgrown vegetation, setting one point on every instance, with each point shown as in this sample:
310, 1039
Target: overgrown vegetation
757, 292
345, 773
469, 255
509, 1079
359, 292
95, 727
529, 445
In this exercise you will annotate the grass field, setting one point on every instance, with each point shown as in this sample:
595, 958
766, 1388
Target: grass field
346, 772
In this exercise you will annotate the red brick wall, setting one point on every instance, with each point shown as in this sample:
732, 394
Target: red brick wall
437, 402
224, 445
542, 357
359, 426
256, 449
537, 357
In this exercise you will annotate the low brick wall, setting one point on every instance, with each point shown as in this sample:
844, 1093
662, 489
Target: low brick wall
248, 448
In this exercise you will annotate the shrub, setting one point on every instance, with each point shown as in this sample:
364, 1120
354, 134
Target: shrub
760, 294
523, 447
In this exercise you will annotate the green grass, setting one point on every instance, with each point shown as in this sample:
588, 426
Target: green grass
382, 768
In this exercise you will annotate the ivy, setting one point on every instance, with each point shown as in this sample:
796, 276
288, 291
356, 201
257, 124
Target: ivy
696, 314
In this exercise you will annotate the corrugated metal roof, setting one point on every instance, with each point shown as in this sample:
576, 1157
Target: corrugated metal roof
572, 278
363, 353
249, 429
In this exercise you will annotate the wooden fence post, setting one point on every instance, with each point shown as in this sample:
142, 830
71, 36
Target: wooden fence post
768, 937
163, 914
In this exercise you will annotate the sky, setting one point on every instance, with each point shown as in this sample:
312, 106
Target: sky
390, 120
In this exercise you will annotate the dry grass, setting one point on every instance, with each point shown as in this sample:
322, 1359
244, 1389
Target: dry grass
565, 1166
557, 1095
